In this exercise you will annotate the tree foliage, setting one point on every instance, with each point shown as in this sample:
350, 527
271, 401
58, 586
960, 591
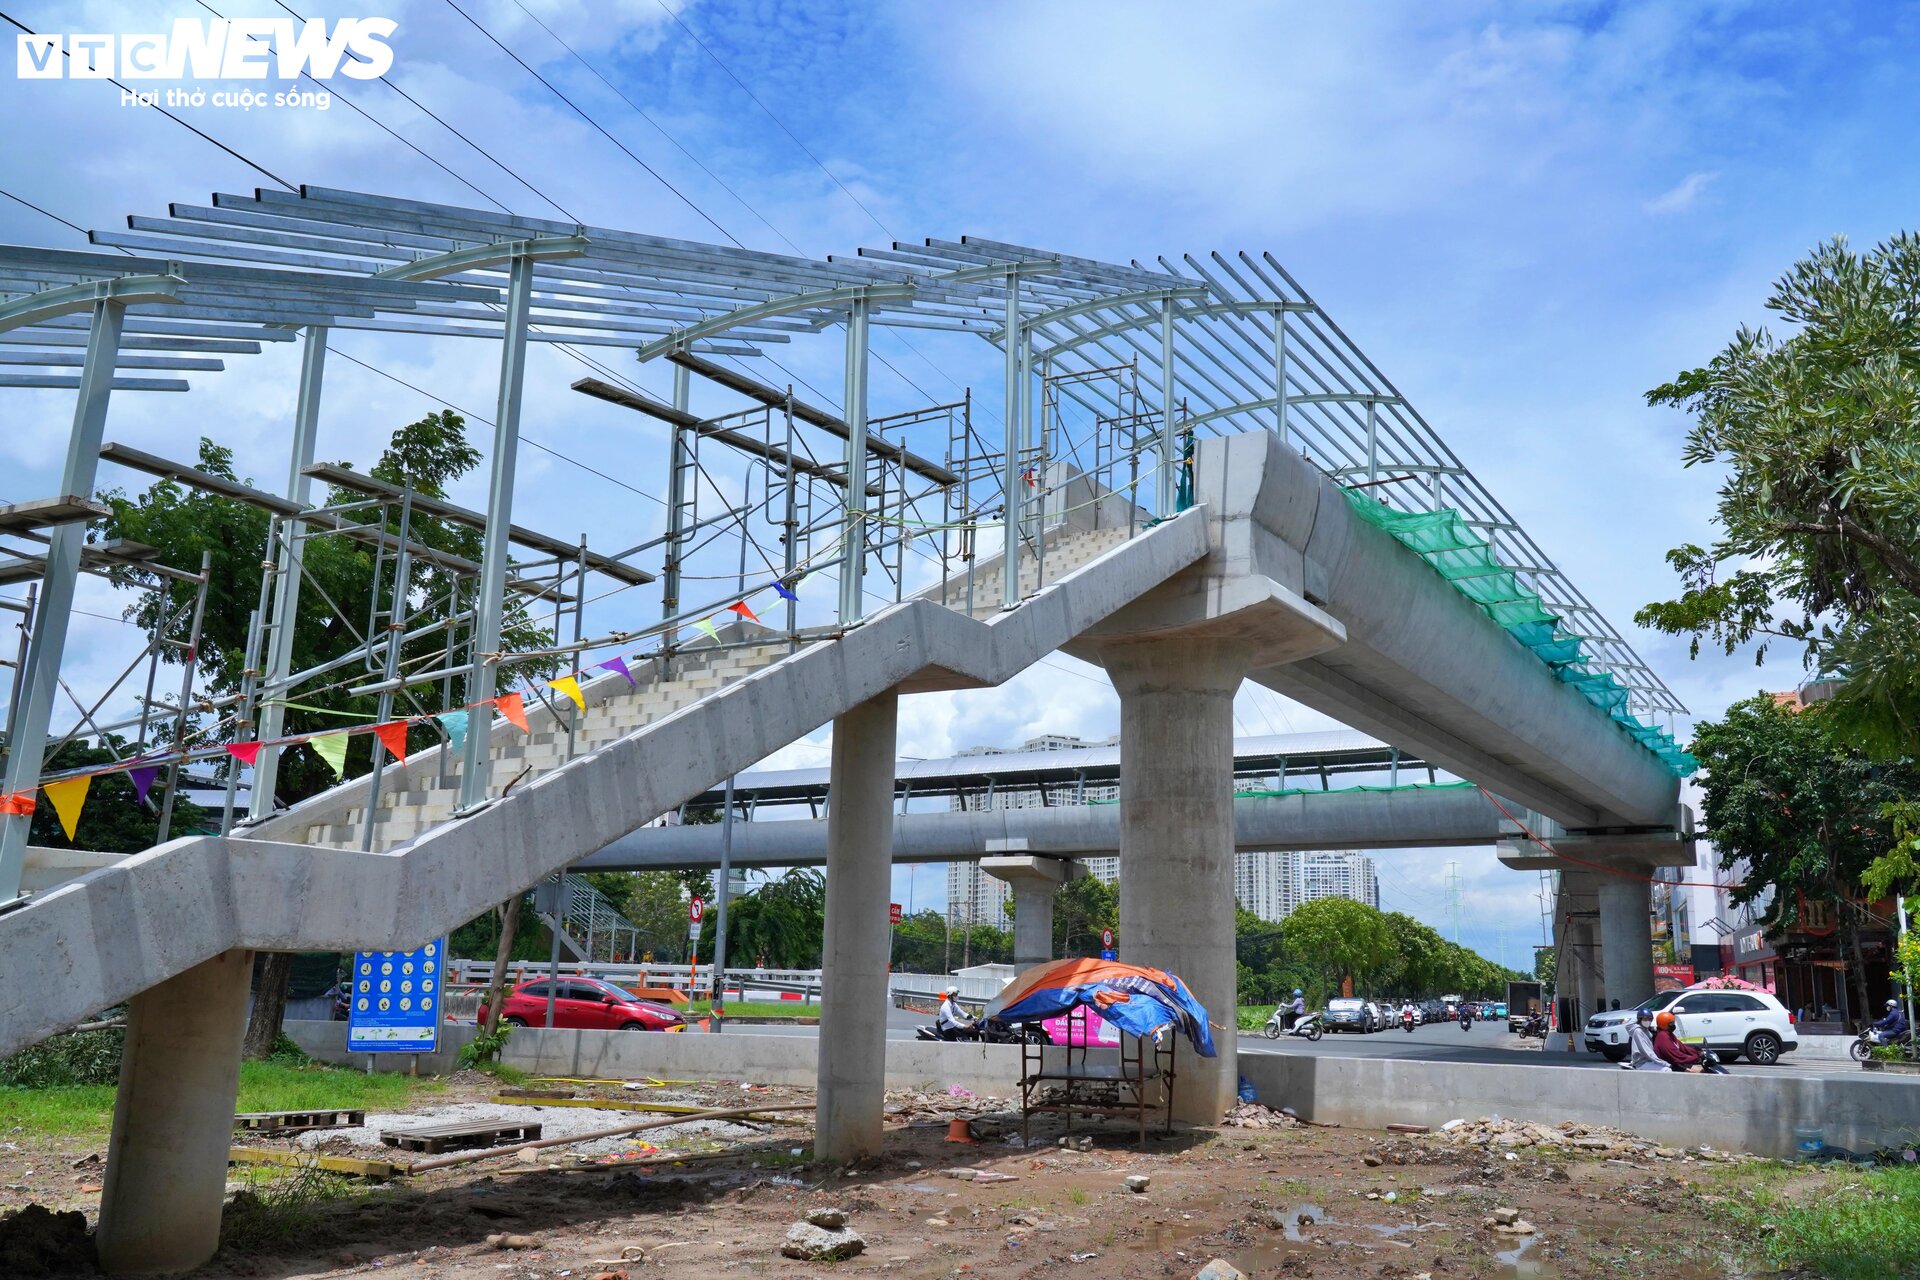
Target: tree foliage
1819, 436
1806, 813
110, 822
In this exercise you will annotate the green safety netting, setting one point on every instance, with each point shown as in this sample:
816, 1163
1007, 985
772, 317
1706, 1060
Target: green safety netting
1465, 559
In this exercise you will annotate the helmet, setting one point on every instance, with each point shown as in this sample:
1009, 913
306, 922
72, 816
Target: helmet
1644, 1015
951, 990
1663, 1020
1893, 1004
1297, 991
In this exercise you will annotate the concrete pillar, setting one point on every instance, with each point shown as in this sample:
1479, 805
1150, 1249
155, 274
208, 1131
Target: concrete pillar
1626, 937
166, 1173
853, 996
1177, 839
1035, 880
1582, 961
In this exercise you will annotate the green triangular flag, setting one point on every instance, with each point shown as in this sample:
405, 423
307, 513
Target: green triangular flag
332, 748
706, 625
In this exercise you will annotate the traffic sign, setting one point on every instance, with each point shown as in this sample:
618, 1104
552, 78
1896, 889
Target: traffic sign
1106, 942
394, 1004
893, 913
1107, 953
696, 910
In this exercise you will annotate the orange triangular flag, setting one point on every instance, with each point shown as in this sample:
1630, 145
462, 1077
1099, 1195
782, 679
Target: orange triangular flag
570, 686
69, 797
740, 607
512, 708
393, 736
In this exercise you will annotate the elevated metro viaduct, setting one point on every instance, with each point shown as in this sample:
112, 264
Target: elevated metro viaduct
1262, 569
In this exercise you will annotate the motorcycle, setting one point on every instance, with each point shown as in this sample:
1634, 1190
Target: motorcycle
989, 1031
1535, 1027
1307, 1025
1466, 1019
1867, 1041
1406, 1020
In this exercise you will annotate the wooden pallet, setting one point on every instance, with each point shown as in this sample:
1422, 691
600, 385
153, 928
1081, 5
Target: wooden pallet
373, 1170
271, 1123
434, 1139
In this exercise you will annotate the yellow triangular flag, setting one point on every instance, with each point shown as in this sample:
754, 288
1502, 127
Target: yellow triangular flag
569, 685
332, 748
69, 797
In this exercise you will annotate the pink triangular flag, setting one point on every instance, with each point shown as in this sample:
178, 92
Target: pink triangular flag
245, 752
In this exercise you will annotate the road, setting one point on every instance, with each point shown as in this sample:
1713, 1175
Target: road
1488, 1042
1437, 1042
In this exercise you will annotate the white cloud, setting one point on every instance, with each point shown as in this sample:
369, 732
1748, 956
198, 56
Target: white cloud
1680, 198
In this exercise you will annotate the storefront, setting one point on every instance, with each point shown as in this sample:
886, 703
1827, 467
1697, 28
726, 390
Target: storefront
1808, 974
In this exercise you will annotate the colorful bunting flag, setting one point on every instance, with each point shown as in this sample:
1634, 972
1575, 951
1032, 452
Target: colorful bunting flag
706, 625
142, 780
245, 752
786, 593
19, 804
69, 796
619, 665
570, 686
393, 736
332, 749
740, 607
514, 709
455, 723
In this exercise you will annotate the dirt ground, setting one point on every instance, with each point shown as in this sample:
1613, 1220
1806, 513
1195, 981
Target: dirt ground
1285, 1200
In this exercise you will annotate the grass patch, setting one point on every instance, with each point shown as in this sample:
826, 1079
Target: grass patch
1077, 1195
283, 1211
1849, 1224
264, 1086
1252, 1017
758, 1009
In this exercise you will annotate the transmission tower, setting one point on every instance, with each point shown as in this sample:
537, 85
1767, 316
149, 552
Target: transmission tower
1453, 898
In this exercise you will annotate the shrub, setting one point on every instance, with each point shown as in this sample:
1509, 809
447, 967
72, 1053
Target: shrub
80, 1057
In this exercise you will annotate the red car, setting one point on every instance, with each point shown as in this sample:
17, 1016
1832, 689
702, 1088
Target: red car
584, 1004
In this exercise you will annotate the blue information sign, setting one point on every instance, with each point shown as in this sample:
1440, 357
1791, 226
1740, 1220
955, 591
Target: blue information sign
1108, 953
395, 1005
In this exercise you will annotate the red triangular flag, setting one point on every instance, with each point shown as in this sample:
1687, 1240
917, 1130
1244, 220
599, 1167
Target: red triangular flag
740, 607
245, 752
393, 737
511, 707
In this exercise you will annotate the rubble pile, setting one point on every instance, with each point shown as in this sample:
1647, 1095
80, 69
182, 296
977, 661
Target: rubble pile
1255, 1115
941, 1104
1496, 1134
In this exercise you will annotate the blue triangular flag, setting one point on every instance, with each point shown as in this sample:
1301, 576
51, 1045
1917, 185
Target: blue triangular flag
785, 594
455, 723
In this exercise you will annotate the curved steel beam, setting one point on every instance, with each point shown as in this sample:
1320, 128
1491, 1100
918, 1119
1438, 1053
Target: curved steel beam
1142, 297
1254, 406
499, 254
845, 295
125, 290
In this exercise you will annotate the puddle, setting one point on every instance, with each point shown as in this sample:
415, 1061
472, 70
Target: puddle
1314, 1211
1394, 1230
1264, 1259
1520, 1267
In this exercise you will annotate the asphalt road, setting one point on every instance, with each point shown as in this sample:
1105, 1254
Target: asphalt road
1435, 1042
1486, 1042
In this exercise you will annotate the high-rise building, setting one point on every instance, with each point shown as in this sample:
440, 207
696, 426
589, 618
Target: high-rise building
1274, 885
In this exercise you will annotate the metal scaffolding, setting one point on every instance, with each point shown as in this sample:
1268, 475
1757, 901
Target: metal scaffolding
1108, 369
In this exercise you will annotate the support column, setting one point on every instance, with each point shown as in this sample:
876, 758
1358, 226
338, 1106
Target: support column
1010, 526
1626, 936
173, 1121
1176, 837
1035, 880
853, 962
47, 644
490, 603
853, 562
289, 558
1169, 446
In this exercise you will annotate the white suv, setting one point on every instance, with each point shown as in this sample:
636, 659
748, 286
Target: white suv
1734, 1024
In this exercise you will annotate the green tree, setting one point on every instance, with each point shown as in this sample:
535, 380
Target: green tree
1818, 434
1337, 938
1081, 909
111, 822
1807, 814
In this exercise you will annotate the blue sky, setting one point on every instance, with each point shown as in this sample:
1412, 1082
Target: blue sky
1526, 214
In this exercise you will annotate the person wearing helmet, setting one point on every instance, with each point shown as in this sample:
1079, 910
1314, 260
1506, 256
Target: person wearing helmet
1293, 1009
1640, 1054
1673, 1051
1893, 1024
952, 1021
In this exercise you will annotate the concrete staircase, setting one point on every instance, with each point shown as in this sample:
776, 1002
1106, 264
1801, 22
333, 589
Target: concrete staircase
297, 881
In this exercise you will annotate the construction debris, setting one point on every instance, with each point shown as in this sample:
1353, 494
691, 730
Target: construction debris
811, 1243
1255, 1115
1514, 1135
925, 1104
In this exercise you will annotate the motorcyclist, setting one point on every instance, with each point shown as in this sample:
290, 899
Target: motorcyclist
1676, 1052
1292, 1010
1894, 1024
952, 1020
1406, 1012
1466, 1016
1640, 1052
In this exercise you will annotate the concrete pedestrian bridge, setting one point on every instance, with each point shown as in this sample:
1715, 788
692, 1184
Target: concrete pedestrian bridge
1248, 562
